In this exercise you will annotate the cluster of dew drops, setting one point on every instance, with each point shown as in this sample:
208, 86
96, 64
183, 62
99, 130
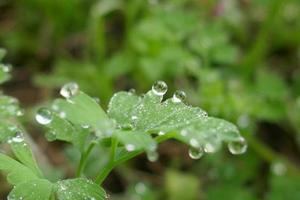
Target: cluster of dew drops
236, 147
159, 88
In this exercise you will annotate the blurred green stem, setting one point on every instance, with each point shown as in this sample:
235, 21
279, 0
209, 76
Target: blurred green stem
261, 44
269, 155
83, 160
111, 163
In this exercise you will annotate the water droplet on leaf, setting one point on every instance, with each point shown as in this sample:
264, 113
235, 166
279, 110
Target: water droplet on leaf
179, 96
196, 153
238, 147
129, 147
152, 156
44, 116
159, 88
69, 90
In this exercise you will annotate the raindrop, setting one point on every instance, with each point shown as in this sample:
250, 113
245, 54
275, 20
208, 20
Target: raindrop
44, 116
194, 143
85, 126
17, 138
129, 147
238, 147
179, 96
20, 113
69, 90
161, 133
132, 91
152, 156
97, 100
159, 88
196, 153
127, 126
210, 147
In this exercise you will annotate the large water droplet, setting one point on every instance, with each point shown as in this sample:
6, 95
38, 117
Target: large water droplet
238, 147
159, 88
69, 90
196, 153
44, 116
178, 96
152, 156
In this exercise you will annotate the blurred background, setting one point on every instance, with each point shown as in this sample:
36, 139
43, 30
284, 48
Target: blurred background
236, 59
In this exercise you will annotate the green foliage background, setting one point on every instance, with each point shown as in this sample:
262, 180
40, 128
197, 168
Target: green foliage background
239, 60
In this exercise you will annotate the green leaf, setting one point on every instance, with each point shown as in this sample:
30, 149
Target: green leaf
23, 152
17, 173
185, 123
84, 110
78, 189
9, 106
62, 129
39, 189
136, 140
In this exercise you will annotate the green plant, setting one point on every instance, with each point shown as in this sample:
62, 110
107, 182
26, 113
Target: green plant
132, 125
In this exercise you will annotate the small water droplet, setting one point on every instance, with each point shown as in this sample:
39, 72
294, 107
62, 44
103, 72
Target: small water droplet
196, 153
210, 147
127, 126
134, 118
129, 147
18, 138
161, 133
97, 100
194, 143
20, 113
159, 88
44, 116
178, 96
238, 147
69, 90
132, 91
184, 132
152, 156
85, 126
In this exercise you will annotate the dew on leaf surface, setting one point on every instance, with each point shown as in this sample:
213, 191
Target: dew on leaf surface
196, 153
152, 156
238, 147
159, 88
179, 96
129, 147
69, 90
44, 116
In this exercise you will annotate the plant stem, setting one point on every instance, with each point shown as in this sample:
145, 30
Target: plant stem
109, 167
111, 164
83, 160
